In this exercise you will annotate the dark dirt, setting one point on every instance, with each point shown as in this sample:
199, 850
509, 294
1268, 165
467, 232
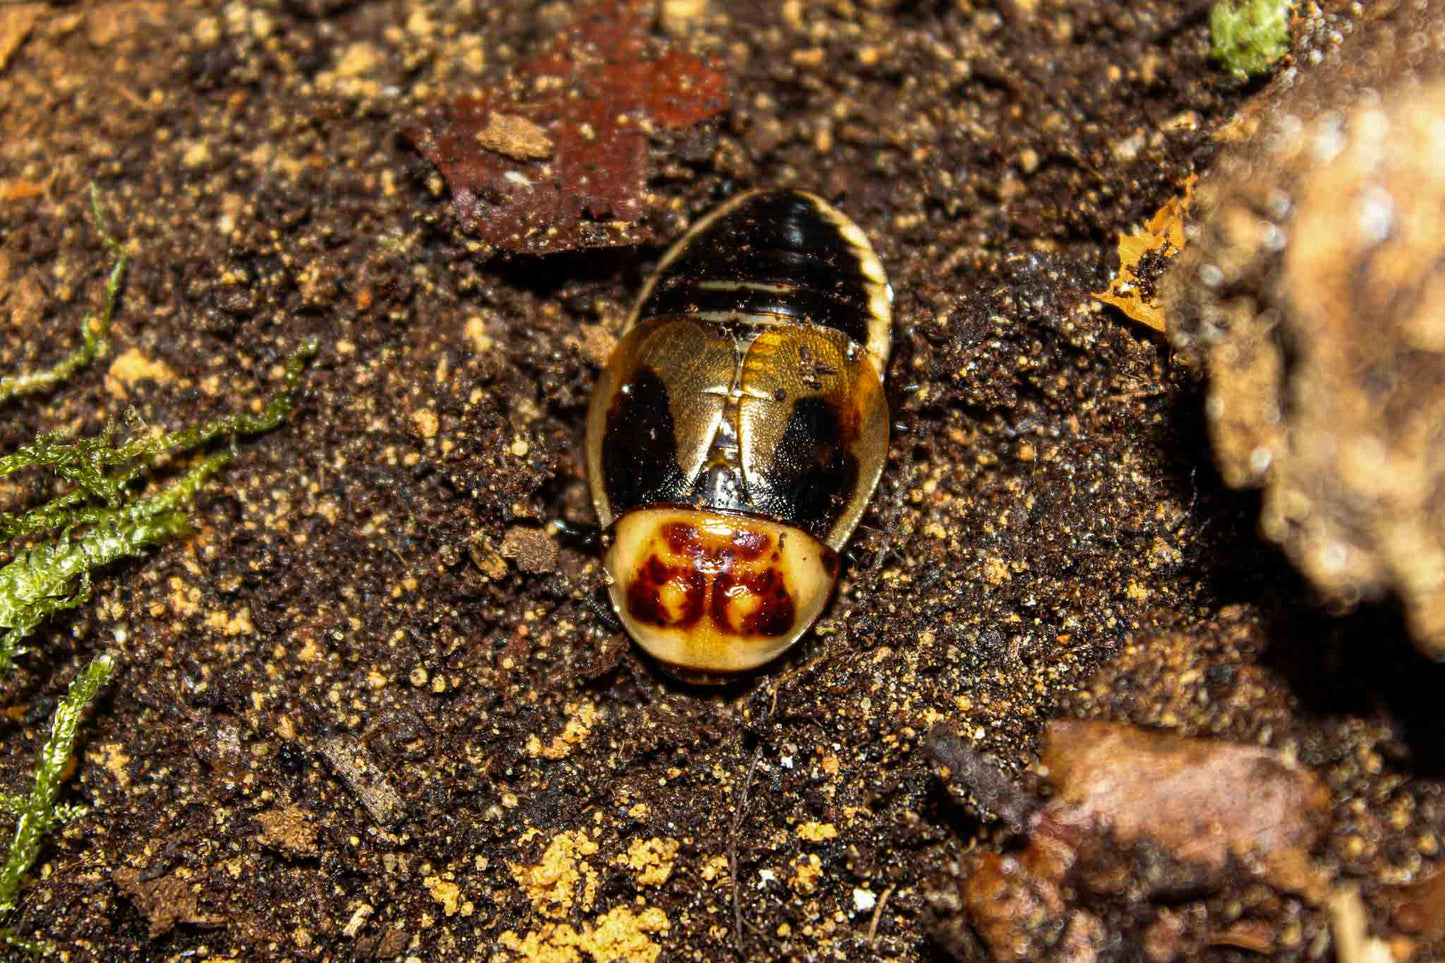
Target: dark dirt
359, 638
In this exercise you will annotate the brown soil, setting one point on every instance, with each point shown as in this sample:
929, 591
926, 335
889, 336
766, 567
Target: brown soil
360, 715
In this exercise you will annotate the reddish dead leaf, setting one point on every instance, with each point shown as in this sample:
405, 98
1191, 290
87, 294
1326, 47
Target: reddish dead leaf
1142, 259
1015, 901
555, 159
1205, 801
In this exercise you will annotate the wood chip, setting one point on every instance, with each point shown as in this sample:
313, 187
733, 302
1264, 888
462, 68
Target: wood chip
353, 765
15, 25
515, 137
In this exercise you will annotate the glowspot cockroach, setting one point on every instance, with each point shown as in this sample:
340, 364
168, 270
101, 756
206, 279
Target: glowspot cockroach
739, 429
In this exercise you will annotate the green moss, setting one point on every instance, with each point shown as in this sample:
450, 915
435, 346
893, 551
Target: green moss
106, 514
55, 575
1249, 37
102, 519
94, 333
37, 815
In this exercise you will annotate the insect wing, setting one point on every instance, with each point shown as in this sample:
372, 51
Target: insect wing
813, 429
656, 409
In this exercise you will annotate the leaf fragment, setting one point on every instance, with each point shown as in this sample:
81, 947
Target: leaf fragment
1143, 256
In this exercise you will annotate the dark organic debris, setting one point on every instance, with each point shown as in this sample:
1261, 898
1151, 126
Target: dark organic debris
165, 901
977, 777
531, 549
555, 159
1143, 814
288, 830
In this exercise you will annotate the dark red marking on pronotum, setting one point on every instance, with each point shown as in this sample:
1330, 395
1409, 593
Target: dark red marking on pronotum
774, 613
644, 595
763, 602
750, 544
681, 538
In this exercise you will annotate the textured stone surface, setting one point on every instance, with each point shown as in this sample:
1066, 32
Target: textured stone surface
1314, 292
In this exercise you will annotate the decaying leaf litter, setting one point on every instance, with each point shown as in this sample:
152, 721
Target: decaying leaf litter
1050, 513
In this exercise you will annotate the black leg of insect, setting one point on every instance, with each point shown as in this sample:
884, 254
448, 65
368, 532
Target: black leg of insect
597, 602
582, 536
739, 430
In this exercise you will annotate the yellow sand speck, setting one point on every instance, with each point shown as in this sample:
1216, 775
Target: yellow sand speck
185, 599
995, 571
651, 859
806, 872
476, 332
358, 59
582, 717
132, 366
515, 137
816, 832
426, 422
113, 757
551, 883
447, 893
620, 934
238, 624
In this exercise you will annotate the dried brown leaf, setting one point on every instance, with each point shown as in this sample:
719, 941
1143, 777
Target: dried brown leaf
1419, 908
165, 901
1205, 801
